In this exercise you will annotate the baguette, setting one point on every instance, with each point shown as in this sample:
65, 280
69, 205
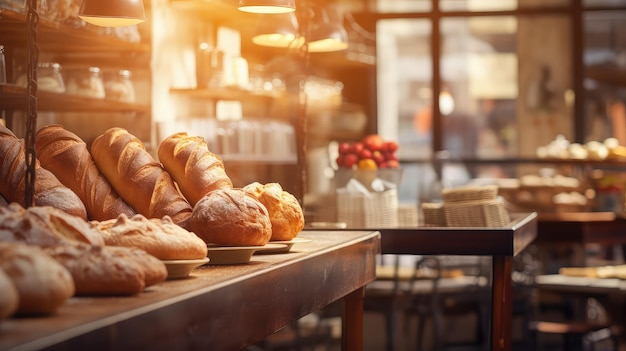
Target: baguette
67, 157
138, 178
196, 170
48, 191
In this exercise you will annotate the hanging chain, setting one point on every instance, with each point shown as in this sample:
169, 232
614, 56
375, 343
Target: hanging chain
32, 58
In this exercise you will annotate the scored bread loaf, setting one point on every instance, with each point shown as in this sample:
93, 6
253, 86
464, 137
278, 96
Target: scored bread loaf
195, 169
231, 217
48, 191
44, 226
9, 297
138, 178
67, 157
42, 283
159, 237
108, 270
284, 209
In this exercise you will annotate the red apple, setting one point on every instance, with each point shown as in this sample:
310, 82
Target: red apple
379, 157
357, 147
390, 156
365, 153
344, 148
373, 142
390, 146
393, 164
350, 160
339, 160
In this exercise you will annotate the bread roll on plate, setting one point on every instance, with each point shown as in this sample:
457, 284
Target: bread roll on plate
284, 209
159, 237
230, 217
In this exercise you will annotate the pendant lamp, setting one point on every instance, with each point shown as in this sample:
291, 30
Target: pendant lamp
267, 6
327, 34
112, 13
278, 30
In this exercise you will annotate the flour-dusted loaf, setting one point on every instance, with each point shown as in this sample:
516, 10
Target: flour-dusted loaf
66, 155
195, 169
231, 217
49, 191
285, 212
108, 270
138, 178
44, 226
9, 296
43, 284
159, 237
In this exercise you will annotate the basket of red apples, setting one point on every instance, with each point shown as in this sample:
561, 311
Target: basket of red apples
371, 155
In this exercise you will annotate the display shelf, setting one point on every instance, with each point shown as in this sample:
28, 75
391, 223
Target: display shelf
223, 94
12, 96
607, 73
263, 159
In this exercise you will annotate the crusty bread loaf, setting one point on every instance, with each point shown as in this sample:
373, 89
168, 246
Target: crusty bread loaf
43, 284
44, 226
49, 191
195, 169
138, 178
67, 157
231, 217
284, 209
108, 270
9, 297
159, 237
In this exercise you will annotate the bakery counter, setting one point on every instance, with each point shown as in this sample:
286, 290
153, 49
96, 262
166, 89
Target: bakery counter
218, 307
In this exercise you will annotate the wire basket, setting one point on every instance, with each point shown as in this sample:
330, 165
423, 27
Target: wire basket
470, 193
486, 213
373, 210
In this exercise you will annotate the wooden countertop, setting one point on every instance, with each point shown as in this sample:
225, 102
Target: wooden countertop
216, 308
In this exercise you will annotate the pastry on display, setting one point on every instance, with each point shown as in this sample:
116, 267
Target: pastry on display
231, 217
42, 283
159, 237
48, 191
9, 296
285, 212
66, 155
196, 170
138, 178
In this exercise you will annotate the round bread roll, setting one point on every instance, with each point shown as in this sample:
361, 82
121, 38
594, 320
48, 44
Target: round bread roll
285, 213
231, 217
159, 237
43, 284
195, 169
9, 298
44, 226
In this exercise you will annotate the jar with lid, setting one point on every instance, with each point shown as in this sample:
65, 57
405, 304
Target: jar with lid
86, 83
49, 78
119, 87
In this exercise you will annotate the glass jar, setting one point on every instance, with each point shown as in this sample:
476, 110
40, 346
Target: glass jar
119, 87
49, 78
86, 83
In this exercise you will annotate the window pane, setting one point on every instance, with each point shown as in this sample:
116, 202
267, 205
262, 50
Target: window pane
497, 5
605, 60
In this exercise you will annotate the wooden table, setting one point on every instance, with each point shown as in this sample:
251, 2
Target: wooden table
217, 307
581, 227
502, 244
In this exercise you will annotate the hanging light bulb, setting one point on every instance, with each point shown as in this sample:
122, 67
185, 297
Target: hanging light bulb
112, 13
446, 102
279, 30
267, 6
327, 34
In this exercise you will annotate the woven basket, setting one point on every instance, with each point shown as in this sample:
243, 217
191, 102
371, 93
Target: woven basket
470, 193
486, 213
375, 210
433, 214
408, 215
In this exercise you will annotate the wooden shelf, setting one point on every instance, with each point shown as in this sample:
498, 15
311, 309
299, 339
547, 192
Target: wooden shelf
222, 94
607, 73
264, 159
12, 96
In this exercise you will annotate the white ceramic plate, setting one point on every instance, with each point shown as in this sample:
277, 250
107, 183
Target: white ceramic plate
237, 254
288, 244
177, 269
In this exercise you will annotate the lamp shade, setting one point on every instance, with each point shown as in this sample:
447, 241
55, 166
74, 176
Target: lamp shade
278, 30
327, 34
112, 13
267, 6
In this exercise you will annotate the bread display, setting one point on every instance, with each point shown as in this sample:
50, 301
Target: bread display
67, 157
49, 191
285, 212
44, 226
109, 270
231, 217
195, 169
138, 178
42, 283
159, 237
9, 297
